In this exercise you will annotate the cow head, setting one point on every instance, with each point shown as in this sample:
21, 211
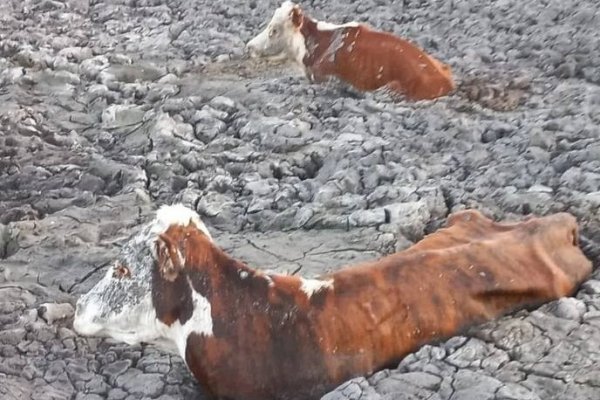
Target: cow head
126, 303
282, 36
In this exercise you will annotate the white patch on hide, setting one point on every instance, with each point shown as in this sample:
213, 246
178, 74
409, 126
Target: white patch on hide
200, 323
328, 26
312, 286
298, 48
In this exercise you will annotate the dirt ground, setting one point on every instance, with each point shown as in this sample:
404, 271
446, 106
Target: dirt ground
110, 108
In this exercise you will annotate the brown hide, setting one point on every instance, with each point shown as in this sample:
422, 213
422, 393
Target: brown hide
273, 342
369, 59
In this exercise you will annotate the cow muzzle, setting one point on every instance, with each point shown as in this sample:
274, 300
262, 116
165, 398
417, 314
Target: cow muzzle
252, 49
85, 322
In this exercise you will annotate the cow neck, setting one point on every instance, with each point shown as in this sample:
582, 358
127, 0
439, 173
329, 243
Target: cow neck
316, 40
213, 273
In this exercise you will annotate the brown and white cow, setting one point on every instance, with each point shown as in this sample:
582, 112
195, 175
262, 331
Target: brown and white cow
248, 335
355, 53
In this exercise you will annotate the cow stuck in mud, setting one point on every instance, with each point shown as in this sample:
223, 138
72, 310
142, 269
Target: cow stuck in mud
355, 53
372, 60
248, 335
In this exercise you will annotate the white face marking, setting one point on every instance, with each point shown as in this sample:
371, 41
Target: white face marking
141, 324
83, 323
176, 214
312, 286
280, 36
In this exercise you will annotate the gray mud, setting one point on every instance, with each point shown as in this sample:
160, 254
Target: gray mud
111, 108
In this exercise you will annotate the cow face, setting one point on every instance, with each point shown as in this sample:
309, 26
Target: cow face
121, 305
282, 35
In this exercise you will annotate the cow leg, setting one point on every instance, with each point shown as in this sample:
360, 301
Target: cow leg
310, 75
316, 75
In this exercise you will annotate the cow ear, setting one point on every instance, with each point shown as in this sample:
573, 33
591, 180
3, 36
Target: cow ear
296, 16
169, 257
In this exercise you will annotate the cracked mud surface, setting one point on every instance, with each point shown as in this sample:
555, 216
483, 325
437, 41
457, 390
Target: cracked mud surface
110, 108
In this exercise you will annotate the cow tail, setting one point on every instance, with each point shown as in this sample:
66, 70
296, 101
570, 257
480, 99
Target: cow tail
500, 96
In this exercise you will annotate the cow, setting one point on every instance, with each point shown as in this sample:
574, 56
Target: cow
357, 54
369, 59
251, 335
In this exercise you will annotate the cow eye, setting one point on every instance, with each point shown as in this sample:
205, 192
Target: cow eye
121, 271
273, 32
